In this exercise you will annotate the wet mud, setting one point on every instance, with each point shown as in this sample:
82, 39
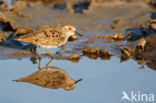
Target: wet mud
91, 18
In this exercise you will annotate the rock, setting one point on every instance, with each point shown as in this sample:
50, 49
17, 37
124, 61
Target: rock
92, 50
33, 59
5, 21
151, 42
73, 38
105, 57
77, 6
151, 64
139, 47
3, 4
58, 52
118, 36
105, 53
3, 36
112, 26
138, 57
116, 21
124, 58
153, 24
148, 27
131, 36
152, 3
95, 53
126, 51
113, 38
74, 58
71, 6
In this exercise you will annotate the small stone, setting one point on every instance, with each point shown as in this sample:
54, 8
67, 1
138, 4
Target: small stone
71, 6
124, 58
73, 38
3, 36
116, 21
153, 24
3, 4
105, 52
34, 60
92, 50
58, 52
132, 36
112, 26
118, 36
126, 51
75, 56
139, 46
138, 57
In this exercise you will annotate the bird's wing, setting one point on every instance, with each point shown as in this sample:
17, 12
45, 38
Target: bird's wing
28, 37
53, 36
49, 35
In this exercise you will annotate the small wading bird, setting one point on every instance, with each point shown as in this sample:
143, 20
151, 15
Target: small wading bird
49, 37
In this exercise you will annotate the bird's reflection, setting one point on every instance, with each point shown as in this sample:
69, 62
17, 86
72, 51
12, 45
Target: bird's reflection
51, 77
39, 67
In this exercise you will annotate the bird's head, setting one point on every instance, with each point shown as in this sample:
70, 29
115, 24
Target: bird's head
71, 84
71, 30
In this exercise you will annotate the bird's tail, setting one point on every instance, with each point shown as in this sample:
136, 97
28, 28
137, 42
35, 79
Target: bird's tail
24, 38
21, 80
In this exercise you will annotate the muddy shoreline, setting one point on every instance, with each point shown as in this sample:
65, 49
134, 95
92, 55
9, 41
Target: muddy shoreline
104, 32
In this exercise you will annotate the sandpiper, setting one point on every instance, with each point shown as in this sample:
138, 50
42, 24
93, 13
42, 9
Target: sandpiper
51, 77
49, 36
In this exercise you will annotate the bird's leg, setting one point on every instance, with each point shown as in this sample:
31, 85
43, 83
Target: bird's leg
49, 62
52, 57
50, 54
39, 53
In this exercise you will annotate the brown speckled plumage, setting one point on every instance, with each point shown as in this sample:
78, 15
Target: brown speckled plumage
52, 36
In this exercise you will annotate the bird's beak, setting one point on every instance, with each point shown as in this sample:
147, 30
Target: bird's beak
78, 33
78, 80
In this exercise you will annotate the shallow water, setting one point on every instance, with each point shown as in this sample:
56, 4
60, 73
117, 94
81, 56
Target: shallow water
103, 80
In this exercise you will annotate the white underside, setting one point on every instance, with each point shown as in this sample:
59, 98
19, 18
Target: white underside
48, 46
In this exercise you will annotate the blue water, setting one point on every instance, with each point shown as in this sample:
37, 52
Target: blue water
103, 81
